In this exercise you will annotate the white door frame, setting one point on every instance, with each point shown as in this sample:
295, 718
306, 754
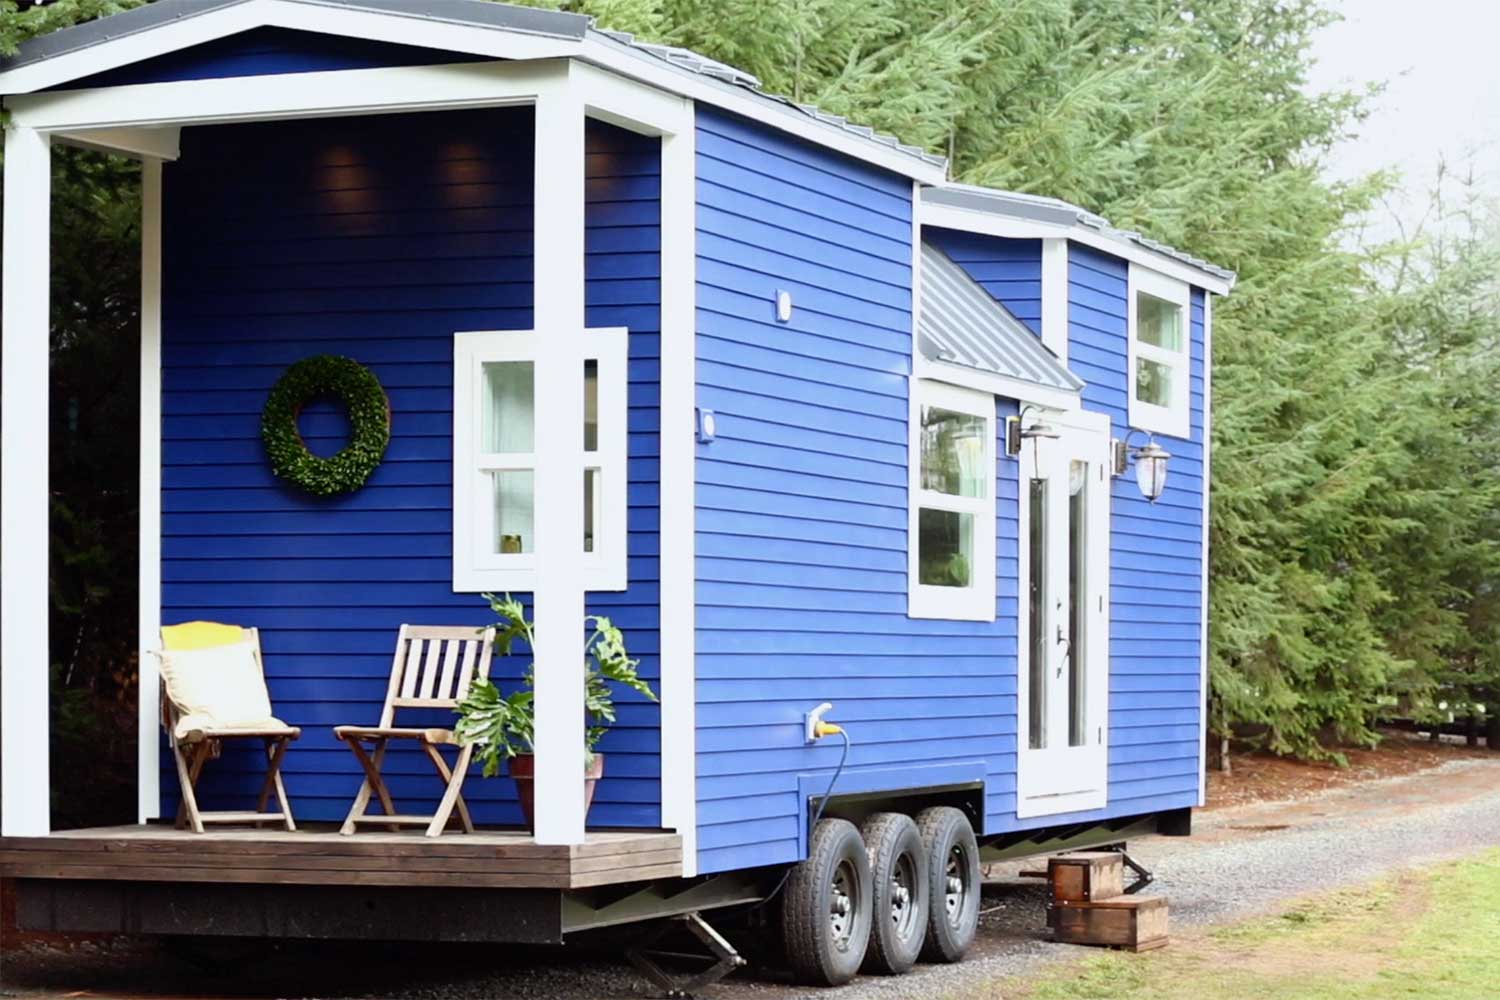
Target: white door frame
1062, 778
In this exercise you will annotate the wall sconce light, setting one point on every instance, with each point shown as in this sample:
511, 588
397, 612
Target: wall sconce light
1150, 464
1017, 432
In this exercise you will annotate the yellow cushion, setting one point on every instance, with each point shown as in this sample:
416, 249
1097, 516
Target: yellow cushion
200, 635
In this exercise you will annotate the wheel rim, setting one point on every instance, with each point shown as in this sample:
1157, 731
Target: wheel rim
956, 884
844, 903
903, 896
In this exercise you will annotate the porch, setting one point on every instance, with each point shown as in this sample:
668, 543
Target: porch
488, 859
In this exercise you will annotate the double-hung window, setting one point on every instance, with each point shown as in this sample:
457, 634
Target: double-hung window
1160, 374
495, 461
951, 558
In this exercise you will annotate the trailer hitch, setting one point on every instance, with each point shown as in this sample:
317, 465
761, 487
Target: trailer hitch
723, 954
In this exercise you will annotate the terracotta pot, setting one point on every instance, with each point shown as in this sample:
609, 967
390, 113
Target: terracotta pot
523, 772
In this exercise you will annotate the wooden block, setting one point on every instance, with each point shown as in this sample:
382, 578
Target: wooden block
1086, 876
1138, 923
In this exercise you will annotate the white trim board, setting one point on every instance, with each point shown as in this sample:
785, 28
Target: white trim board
1055, 296
148, 769
993, 224
678, 505
1208, 423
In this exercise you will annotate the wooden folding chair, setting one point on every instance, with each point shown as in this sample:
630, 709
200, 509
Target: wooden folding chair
195, 747
433, 668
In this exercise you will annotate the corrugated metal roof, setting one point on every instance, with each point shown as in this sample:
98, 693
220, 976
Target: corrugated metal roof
960, 323
1055, 211
482, 14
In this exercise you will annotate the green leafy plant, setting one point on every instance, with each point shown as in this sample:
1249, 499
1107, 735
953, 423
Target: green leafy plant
500, 726
369, 419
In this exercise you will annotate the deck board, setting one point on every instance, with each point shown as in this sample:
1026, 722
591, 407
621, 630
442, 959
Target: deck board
509, 859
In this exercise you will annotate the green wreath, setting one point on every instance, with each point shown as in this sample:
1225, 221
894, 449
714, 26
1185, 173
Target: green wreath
369, 418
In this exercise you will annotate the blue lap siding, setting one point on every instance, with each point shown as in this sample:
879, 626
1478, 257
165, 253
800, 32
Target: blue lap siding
802, 502
376, 238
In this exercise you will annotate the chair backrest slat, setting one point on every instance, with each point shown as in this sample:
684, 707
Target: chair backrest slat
413, 665
435, 665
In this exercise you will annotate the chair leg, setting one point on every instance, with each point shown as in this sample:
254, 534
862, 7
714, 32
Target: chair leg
451, 795
373, 782
447, 776
187, 777
275, 752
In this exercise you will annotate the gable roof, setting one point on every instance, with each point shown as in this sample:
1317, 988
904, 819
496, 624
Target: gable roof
484, 17
959, 323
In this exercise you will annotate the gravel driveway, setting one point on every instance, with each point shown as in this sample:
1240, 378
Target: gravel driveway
1239, 863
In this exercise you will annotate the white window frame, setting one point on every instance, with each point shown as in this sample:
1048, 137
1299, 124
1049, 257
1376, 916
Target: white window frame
1174, 420
975, 602
475, 568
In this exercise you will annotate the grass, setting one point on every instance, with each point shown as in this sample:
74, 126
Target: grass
1423, 935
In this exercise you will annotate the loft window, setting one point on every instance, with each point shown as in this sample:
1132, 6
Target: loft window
951, 562
1160, 374
495, 461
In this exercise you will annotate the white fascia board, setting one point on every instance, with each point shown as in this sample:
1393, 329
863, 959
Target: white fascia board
375, 26
993, 224
643, 66
1004, 386
629, 104
139, 143
336, 93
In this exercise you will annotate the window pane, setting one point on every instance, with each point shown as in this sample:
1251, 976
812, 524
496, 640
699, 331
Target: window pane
1153, 382
1036, 593
1158, 321
953, 452
514, 505
591, 405
945, 548
592, 491
1077, 602
509, 403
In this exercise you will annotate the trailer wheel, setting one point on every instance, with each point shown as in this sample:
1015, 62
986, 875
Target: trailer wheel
952, 858
898, 869
825, 910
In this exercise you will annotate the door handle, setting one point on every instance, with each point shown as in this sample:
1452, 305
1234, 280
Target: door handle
1066, 643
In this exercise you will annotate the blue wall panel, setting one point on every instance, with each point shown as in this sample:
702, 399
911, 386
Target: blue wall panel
802, 503
377, 238
266, 52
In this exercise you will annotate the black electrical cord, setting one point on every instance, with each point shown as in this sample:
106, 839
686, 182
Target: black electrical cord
817, 815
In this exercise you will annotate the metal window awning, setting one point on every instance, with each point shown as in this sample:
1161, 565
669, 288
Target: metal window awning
961, 324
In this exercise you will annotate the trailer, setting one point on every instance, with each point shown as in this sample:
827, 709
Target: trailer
898, 486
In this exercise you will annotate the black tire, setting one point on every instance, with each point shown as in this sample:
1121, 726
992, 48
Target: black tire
825, 910
898, 871
952, 859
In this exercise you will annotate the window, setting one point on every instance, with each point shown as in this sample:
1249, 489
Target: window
1160, 386
951, 563
495, 461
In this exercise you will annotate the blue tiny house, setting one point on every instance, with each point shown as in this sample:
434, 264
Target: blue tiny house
810, 422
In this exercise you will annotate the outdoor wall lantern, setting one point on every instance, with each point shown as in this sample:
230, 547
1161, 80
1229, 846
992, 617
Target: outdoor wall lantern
1017, 432
1150, 464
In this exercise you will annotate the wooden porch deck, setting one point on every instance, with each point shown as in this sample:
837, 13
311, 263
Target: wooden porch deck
493, 859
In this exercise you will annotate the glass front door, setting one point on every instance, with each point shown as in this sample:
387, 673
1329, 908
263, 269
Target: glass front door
1064, 617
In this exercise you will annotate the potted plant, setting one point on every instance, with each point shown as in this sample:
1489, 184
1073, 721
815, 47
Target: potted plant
501, 728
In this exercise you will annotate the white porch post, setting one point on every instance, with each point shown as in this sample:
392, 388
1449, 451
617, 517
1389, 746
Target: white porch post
148, 782
559, 596
24, 659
